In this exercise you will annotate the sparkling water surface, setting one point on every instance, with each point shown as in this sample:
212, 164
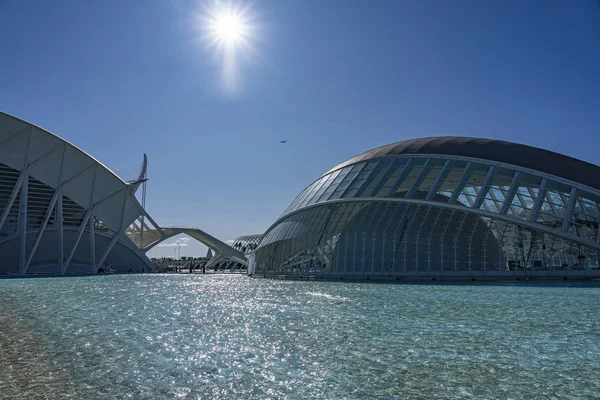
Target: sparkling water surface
226, 336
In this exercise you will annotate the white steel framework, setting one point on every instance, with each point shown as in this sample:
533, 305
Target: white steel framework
489, 218
51, 195
63, 212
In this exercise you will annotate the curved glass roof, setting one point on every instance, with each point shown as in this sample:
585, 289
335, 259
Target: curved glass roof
518, 194
493, 150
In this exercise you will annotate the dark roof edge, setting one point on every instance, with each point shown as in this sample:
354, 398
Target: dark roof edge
517, 154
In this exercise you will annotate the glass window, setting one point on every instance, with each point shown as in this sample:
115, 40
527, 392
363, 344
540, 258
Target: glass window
327, 184
311, 192
586, 216
429, 176
377, 178
524, 198
583, 220
357, 183
554, 206
409, 175
499, 186
473, 184
449, 180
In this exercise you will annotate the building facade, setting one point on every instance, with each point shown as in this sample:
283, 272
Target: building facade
246, 245
446, 207
63, 212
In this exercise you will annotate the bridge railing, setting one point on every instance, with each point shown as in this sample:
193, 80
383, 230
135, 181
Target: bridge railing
182, 227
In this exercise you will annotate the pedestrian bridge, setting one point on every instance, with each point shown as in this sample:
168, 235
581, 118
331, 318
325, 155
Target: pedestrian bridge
222, 251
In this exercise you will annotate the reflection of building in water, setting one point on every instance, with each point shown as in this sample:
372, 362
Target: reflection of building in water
442, 207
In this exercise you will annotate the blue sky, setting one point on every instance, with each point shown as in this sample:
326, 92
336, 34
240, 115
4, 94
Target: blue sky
334, 78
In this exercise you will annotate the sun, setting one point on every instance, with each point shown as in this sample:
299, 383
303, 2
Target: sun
228, 27
228, 31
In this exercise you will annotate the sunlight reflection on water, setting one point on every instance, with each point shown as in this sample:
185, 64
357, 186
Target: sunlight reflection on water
166, 336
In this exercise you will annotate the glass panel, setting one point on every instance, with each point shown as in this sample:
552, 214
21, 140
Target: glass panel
370, 165
555, 203
450, 178
499, 186
302, 197
391, 178
476, 176
311, 193
356, 168
409, 175
326, 185
377, 178
357, 183
429, 177
586, 216
524, 198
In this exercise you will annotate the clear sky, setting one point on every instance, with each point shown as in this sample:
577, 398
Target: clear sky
333, 78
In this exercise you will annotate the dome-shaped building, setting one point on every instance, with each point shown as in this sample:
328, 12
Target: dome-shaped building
447, 207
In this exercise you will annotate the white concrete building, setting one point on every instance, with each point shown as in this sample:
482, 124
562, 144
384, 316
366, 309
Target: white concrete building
64, 212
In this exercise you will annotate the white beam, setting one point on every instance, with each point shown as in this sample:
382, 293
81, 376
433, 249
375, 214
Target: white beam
58, 221
115, 237
22, 223
434, 188
484, 188
460, 184
511, 193
567, 219
92, 230
42, 230
93, 242
84, 222
539, 200
24, 177
51, 207
417, 182
12, 197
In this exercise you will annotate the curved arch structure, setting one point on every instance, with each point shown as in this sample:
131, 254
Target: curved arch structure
447, 207
222, 251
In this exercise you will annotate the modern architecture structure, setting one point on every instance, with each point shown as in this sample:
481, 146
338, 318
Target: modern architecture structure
444, 207
245, 244
64, 212
223, 253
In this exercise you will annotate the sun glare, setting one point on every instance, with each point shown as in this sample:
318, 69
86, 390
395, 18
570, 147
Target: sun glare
228, 33
229, 28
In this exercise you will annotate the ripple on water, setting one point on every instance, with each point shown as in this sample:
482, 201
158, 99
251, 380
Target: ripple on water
169, 336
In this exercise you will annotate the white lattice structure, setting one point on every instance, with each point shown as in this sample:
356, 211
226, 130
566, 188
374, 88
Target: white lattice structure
247, 243
61, 211
64, 212
442, 207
